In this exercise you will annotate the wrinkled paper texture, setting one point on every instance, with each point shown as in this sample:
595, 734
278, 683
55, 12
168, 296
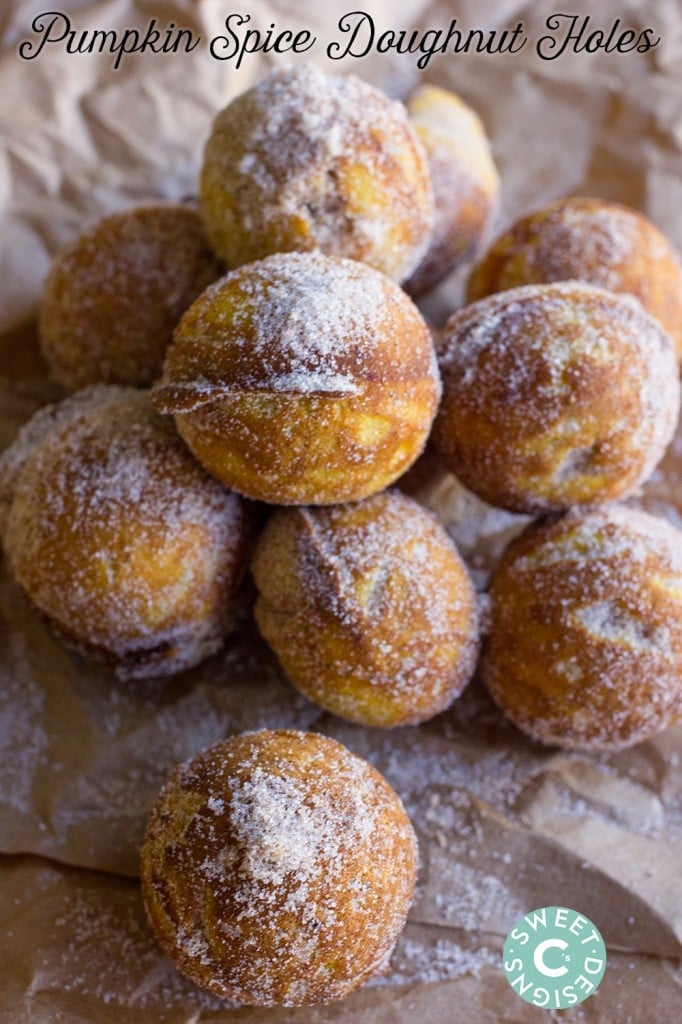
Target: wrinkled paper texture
505, 826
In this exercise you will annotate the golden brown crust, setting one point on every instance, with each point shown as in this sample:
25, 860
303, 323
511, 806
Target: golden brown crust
590, 240
465, 182
113, 297
118, 537
307, 161
302, 379
368, 607
585, 645
555, 395
278, 869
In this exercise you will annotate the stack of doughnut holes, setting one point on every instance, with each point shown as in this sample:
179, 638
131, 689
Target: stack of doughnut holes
248, 378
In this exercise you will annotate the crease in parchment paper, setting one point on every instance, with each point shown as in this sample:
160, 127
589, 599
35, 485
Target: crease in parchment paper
504, 825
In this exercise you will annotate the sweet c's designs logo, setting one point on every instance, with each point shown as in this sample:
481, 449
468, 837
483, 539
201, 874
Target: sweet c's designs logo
554, 957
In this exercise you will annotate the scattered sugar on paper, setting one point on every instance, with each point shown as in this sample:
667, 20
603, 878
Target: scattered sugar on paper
107, 952
420, 961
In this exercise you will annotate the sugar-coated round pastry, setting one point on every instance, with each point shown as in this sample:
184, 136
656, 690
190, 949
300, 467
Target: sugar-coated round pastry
278, 869
585, 643
302, 379
590, 240
555, 395
128, 548
368, 607
465, 182
113, 297
304, 161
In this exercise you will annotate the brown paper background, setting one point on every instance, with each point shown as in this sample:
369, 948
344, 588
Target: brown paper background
504, 825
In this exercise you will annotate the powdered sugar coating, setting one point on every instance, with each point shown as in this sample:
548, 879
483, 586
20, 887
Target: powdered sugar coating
278, 869
555, 395
589, 240
585, 646
302, 379
127, 547
368, 607
306, 161
114, 295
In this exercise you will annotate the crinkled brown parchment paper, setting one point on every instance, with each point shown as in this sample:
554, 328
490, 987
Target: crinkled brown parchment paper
505, 826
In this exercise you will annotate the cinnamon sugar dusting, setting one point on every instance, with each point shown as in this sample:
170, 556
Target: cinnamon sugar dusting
297, 323
499, 818
590, 240
555, 395
118, 538
601, 596
114, 295
263, 842
380, 549
302, 379
309, 161
368, 608
464, 179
